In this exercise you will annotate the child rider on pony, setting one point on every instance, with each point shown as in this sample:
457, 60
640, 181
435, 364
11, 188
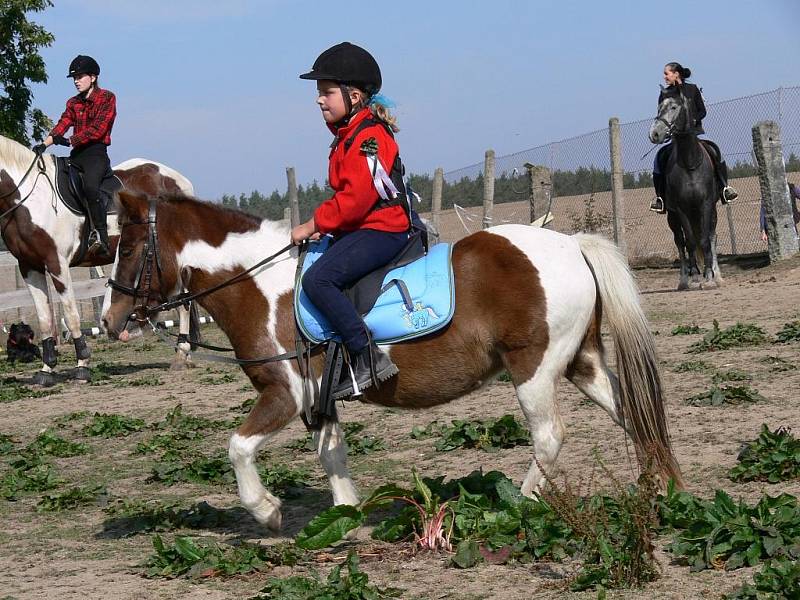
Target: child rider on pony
368, 219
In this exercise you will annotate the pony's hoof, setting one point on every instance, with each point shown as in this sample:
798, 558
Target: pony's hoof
83, 374
709, 285
268, 512
683, 285
44, 379
177, 364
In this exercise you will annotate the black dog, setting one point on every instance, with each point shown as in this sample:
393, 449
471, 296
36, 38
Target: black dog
20, 344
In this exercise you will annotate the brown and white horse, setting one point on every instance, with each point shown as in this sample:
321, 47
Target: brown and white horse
527, 300
44, 236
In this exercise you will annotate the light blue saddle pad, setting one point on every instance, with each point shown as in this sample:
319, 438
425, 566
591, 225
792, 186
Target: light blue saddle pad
429, 281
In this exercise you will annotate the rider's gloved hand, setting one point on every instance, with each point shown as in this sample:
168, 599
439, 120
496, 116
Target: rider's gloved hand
39, 148
60, 140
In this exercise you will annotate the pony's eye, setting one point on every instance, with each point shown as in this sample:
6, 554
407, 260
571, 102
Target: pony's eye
125, 252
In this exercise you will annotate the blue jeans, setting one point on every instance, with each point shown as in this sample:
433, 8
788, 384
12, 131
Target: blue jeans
348, 259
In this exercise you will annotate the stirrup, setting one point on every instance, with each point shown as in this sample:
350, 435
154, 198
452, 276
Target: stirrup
657, 205
729, 194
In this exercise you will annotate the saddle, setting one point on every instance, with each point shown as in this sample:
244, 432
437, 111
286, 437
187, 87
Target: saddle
69, 187
713, 151
412, 296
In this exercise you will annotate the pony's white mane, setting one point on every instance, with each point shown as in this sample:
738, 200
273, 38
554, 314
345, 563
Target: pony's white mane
14, 156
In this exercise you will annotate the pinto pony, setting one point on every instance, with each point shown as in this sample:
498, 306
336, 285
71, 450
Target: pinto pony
45, 237
528, 300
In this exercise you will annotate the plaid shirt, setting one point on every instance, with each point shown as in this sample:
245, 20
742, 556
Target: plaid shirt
91, 118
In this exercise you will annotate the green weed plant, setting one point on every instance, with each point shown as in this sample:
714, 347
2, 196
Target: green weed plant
735, 336
489, 435
692, 366
112, 425
727, 394
72, 498
773, 457
692, 329
789, 333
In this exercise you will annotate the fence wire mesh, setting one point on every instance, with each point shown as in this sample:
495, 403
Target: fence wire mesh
581, 180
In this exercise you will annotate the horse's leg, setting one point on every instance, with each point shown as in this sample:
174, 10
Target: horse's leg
537, 398
715, 265
37, 285
708, 229
332, 451
589, 372
680, 244
63, 285
691, 236
182, 358
274, 408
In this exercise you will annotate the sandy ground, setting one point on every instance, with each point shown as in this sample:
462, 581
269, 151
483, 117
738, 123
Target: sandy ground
76, 554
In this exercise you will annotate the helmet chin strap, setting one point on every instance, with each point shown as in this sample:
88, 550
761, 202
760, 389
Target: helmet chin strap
349, 109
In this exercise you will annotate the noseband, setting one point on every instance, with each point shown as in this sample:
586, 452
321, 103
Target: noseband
144, 274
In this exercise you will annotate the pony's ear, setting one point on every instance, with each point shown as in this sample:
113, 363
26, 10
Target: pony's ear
133, 205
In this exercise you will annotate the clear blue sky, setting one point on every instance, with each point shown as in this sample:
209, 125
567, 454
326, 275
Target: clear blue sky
210, 87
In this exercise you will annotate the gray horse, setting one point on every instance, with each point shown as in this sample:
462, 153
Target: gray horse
691, 192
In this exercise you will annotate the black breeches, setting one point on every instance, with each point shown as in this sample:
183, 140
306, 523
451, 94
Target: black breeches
93, 162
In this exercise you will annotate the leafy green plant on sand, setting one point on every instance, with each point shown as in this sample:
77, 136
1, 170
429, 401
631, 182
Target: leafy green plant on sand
692, 329
730, 375
12, 390
71, 498
111, 425
344, 582
728, 394
741, 334
144, 381
188, 557
692, 366
27, 472
130, 517
489, 435
773, 457
778, 364
721, 533
789, 333
48, 443
779, 579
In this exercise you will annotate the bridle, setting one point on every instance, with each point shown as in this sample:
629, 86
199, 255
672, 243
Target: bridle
38, 160
144, 273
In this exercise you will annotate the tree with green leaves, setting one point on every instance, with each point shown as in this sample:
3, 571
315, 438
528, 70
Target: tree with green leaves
20, 66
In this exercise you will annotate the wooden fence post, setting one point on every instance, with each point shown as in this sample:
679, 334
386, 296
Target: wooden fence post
294, 204
488, 188
617, 201
540, 186
436, 201
781, 234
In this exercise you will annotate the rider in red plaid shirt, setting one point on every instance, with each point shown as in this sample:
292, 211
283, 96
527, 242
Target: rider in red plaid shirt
91, 115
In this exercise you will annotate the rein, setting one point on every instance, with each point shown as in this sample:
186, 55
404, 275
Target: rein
38, 159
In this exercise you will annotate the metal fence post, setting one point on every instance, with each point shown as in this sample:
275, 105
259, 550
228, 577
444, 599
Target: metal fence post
617, 200
781, 234
294, 204
436, 200
488, 188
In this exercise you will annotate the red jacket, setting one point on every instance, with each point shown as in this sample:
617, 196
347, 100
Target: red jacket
91, 118
354, 190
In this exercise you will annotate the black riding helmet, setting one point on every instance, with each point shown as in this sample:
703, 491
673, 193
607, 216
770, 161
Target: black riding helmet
83, 65
347, 64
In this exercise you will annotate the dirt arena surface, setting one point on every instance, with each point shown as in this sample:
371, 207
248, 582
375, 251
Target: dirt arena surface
83, 553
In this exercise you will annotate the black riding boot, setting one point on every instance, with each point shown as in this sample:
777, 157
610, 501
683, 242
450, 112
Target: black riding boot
657, 205
729, 194
368, 366
99, 234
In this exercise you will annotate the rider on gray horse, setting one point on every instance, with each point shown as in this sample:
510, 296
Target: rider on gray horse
675, 77
91, 115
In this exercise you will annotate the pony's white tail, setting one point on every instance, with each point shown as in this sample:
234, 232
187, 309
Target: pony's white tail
641, 404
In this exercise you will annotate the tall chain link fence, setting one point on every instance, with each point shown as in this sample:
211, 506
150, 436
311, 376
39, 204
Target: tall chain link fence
581, 180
